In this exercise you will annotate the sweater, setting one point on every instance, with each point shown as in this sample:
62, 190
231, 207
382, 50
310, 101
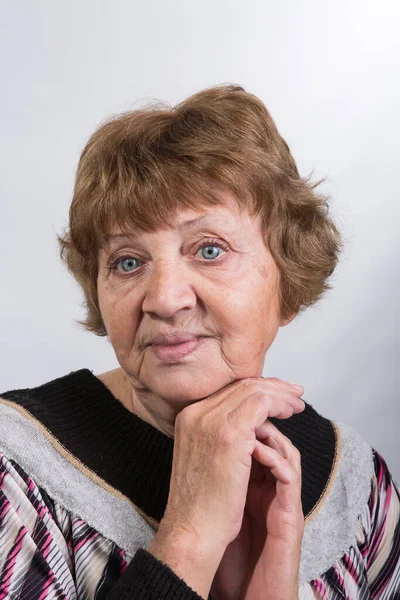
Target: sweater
84, 483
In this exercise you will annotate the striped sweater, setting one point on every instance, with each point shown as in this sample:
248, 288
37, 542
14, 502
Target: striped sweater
84, 484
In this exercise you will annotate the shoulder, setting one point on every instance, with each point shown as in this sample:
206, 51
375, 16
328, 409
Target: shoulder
333, 454
51, 432
365, 560
381, 518
72, 388
338, 467
47, 542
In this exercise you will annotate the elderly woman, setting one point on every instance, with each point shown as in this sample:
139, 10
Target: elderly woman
184, 473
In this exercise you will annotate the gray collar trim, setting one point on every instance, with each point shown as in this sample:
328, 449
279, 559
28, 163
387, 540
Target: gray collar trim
69, 483
329, 531
332, 529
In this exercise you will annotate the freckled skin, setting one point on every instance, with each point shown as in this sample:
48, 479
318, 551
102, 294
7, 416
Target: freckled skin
233, 298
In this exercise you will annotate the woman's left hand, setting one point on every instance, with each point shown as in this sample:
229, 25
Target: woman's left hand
263, 561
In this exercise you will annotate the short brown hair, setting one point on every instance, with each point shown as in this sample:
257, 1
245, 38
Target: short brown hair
139, 167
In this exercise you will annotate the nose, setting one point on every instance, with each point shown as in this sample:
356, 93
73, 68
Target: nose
169, 290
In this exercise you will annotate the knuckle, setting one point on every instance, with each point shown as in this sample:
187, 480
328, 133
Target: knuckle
247, 383
292, 479
296, 454
225, 436
186, 417
259, 400
221, 432
182, 416
287, 440
273, 379
298, 474
289, 525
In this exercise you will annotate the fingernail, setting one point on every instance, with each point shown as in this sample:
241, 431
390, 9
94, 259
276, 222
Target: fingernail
297, 386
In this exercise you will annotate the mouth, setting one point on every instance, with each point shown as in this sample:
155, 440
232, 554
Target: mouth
175, 352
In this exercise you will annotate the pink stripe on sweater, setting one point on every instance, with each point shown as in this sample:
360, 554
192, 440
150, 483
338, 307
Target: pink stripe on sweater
45, 591
13, 559
90, 536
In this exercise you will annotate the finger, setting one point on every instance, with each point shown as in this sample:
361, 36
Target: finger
253, 411
257, 472
287, 386
268, 431
288, 478
271, 457
240, 389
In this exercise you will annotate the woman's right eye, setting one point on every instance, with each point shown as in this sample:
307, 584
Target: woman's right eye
126, 264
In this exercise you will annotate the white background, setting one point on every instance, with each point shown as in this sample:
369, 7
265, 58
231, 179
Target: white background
329, 73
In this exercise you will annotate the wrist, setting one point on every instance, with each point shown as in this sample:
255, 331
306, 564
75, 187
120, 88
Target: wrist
192, 556
277, 570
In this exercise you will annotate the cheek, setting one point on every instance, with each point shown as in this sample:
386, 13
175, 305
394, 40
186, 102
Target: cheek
118, 314
251, 300
106, 303
250, 313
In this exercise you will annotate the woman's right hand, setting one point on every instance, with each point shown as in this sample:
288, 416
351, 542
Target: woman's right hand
215, 439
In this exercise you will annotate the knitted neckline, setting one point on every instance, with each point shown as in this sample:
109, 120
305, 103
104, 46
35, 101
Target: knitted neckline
134, 457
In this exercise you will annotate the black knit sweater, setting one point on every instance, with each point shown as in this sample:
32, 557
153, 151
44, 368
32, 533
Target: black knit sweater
136, 459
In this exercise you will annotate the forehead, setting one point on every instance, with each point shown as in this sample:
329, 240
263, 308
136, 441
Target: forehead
225, 214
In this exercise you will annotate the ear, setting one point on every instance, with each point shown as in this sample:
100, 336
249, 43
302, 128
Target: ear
288, 320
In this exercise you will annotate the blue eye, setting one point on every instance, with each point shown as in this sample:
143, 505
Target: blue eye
127, 264
210, 251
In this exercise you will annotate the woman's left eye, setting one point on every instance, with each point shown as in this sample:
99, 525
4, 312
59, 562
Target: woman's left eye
210, 249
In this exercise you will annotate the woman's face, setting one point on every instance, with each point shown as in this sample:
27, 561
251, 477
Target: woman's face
214, 278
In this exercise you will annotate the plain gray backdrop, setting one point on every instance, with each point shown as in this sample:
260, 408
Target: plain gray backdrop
328, 71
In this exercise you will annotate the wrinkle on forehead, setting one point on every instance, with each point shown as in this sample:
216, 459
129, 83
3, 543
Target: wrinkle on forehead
228, 214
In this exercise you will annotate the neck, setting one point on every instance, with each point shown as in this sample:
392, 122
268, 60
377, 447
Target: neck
142, 402
154, 410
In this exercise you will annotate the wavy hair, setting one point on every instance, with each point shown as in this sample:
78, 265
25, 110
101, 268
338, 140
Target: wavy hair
140, 166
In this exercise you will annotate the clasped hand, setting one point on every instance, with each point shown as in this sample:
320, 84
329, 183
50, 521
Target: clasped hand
234, 523
262, 562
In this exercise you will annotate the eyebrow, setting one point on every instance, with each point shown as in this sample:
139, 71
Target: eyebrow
186, 225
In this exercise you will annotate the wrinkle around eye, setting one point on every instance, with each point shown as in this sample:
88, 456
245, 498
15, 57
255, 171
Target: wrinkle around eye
121, 260
115, 260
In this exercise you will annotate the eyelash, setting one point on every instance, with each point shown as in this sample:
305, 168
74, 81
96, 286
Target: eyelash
112, 266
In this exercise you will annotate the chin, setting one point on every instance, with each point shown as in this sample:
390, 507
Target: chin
182, 388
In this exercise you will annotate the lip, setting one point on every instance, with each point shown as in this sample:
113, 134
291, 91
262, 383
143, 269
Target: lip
175, 352
175, 337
